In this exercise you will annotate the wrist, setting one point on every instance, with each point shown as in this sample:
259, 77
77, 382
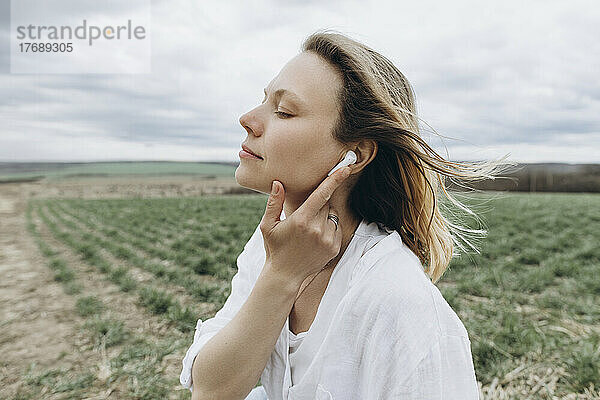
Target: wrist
280, 280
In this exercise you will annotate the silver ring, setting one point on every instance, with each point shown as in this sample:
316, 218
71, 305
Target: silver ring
335, 219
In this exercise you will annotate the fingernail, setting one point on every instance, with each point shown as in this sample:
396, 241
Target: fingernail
274, 189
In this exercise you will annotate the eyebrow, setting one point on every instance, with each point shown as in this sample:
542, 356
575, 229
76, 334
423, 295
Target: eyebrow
280, 92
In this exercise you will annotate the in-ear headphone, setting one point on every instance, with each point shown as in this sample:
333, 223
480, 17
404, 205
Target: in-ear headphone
350, 158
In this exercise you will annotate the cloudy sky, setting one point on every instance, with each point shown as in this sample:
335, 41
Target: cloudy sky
492, 77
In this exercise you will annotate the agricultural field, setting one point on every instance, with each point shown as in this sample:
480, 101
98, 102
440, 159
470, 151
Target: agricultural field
54, 172
101, 295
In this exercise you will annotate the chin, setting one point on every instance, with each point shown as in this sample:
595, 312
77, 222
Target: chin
250, 182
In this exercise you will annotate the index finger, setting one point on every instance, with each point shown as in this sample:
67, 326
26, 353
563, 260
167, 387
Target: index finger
321, 195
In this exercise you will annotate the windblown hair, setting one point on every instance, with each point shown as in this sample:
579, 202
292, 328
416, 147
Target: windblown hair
401, 187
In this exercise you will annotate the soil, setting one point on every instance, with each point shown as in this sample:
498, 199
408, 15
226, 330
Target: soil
39, 328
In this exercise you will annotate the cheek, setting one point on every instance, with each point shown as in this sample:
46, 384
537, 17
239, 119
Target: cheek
299, 169
288, 143
299, 153
300, 138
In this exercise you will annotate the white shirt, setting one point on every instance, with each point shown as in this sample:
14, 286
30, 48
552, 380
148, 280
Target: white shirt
382, 330
365, 237
297, 365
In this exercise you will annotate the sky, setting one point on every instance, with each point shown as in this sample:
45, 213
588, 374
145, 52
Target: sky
494, 78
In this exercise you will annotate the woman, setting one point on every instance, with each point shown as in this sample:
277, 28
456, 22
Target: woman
337, 300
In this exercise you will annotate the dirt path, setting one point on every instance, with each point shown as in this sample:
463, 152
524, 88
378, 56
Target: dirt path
39, 328
37, 320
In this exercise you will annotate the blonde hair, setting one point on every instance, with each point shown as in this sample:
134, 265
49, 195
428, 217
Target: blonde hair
402, 184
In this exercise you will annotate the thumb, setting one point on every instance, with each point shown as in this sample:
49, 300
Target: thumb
274, 206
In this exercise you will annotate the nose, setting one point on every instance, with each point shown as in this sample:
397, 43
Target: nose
251, 123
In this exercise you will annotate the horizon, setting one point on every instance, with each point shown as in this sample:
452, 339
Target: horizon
234, 162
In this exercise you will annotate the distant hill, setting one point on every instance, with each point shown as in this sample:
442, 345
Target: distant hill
546, 177
528, 177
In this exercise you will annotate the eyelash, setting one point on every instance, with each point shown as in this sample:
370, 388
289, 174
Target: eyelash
282, 114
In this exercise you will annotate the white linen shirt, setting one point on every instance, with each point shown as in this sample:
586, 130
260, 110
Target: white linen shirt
382, 329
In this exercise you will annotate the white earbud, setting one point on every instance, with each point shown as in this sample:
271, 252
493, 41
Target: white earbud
350, 158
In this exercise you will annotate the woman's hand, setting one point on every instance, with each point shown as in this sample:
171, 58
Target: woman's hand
305, 241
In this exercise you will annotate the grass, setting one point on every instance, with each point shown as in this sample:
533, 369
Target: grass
157, 301
89, 305
585, 364
144, 375
151, 298
528, 299
106, 331
60, 380
535, 279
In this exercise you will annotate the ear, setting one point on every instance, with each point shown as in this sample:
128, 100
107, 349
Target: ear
365, 150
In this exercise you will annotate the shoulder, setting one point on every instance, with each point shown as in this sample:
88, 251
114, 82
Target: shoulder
394, 283
397, 310
396, 294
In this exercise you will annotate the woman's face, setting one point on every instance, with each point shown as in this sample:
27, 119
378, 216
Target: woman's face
291, 129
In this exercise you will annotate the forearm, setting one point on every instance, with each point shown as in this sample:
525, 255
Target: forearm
231, 362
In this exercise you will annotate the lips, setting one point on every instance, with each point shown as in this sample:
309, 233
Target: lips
246, 148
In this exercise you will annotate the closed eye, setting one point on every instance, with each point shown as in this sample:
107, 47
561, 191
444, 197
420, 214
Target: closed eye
283, 115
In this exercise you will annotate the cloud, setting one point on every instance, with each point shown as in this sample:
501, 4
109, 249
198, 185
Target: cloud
508, 77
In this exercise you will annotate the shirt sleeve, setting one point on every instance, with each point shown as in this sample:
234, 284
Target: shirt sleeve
446, 373
405, 353
242, 284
